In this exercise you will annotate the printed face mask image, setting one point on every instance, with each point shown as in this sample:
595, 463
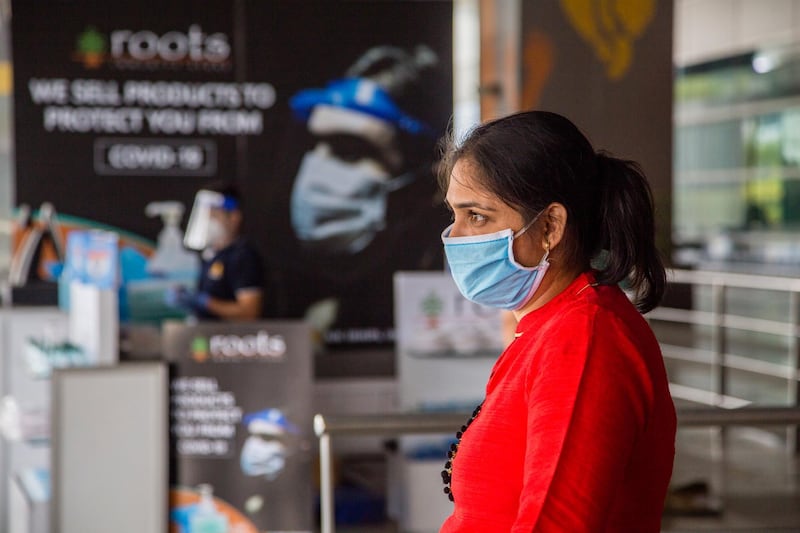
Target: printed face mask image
262, 457
336, 206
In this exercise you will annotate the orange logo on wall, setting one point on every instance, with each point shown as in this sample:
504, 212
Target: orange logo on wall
610, 27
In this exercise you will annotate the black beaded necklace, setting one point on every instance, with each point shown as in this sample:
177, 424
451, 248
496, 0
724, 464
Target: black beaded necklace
447, 473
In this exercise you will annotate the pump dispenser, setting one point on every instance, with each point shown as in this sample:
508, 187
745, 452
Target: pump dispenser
171, 260
206, 518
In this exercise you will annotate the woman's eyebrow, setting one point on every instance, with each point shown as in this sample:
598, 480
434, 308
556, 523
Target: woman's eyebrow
470, 205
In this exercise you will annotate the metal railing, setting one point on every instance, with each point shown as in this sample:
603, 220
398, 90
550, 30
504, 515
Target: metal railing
395, 424
719, 319
374, 425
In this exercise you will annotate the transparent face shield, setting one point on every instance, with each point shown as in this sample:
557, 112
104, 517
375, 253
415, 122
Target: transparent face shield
198, 235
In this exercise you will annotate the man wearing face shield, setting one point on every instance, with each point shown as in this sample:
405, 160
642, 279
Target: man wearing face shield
230, 286
363, 189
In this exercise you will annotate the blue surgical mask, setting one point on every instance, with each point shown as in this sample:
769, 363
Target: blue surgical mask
485, 271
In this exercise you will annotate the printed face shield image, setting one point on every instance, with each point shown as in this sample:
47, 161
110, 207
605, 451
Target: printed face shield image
339, 197
264, 452
202, 230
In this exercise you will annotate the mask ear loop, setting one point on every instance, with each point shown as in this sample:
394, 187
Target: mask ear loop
529, 224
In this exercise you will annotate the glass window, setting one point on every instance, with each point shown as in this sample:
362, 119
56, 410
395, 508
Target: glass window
737, 159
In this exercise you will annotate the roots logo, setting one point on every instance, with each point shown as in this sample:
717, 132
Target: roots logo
223, 348
147, 50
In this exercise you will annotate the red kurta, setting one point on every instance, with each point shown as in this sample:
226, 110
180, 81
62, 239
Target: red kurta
577, 430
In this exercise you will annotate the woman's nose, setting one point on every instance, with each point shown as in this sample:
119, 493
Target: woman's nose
456, 229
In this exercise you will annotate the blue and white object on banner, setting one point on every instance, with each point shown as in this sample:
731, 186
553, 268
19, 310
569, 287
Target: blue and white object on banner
102, 260
92, 258
358, 94
269, 422
76, 253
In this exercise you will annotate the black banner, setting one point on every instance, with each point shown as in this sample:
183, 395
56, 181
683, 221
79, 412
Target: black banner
240, 427
326, 114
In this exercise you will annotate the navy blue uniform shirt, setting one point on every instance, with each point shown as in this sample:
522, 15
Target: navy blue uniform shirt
232, 269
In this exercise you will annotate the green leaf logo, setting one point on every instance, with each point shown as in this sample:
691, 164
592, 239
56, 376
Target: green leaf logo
91, 47
200, 349
432, 307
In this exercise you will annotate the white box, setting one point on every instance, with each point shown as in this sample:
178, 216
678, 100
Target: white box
424, 506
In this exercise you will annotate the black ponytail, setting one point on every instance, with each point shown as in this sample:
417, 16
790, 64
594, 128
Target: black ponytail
627, 231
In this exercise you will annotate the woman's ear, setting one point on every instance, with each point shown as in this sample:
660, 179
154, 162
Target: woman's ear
555, 219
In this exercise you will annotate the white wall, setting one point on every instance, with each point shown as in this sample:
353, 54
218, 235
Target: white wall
712, 29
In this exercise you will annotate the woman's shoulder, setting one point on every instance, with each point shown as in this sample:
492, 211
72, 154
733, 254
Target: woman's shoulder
564, 333
597, 316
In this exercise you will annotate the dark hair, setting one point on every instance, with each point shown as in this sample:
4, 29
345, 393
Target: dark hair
534, 158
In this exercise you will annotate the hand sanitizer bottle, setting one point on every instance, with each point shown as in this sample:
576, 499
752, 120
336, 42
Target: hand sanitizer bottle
171, 260
206, 518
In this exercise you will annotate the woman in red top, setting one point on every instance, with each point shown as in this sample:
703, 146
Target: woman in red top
576, 432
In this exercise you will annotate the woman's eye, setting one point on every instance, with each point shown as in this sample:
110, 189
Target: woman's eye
477, 218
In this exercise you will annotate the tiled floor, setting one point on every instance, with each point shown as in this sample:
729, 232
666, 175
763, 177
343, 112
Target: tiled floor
754, 482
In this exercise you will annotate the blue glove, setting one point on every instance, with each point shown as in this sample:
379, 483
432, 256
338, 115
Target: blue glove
182, 298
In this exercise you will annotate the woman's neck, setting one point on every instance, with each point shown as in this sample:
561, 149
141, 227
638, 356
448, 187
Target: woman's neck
554, 282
